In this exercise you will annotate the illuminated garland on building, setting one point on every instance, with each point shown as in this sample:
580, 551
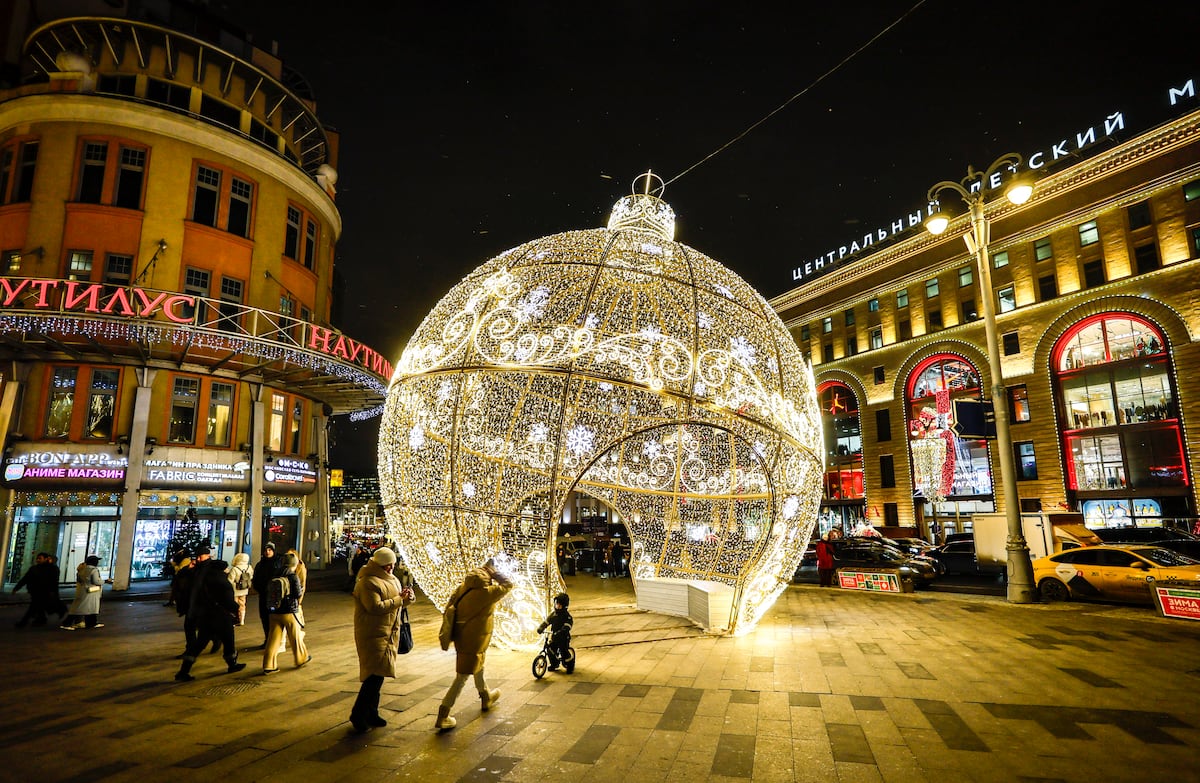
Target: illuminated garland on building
618, 363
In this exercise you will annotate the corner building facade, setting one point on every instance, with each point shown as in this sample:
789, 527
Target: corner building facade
167, 236
1094, 285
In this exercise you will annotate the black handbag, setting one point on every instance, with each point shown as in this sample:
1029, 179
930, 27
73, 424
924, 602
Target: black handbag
406, 641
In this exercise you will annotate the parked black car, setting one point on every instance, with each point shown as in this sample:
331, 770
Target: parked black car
1172, 538
958, 557
870, 553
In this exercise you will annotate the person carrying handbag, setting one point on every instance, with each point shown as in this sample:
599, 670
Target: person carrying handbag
382, 589
85, 611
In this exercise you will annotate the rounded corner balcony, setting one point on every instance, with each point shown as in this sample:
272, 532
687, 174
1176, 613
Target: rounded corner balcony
55, 320
145, 63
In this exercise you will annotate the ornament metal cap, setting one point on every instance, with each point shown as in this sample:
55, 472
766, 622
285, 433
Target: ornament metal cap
643, 212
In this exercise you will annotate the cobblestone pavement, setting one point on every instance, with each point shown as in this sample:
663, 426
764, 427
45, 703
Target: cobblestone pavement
831, 686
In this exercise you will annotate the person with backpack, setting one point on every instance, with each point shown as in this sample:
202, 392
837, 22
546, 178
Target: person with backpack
283, 601
383, 589
241, 576
264, 572
475, 602
212, 610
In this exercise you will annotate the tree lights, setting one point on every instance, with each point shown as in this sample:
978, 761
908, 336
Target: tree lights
621, 364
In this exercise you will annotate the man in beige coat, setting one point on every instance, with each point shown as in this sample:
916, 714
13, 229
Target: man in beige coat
475, 599
382, 589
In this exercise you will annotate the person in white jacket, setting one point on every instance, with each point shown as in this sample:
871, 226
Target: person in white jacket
85, 611
240, 575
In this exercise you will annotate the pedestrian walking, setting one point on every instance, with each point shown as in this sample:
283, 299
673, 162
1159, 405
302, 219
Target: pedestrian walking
241, 575
264, 572
212, 610
618, 558
85, 611
475, 602
383, 589
825, 564
181, 595
41, 581
282, 607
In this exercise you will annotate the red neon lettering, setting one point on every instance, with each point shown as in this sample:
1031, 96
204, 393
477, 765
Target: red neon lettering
120, 298
10, 293
43, 287
178, 301
148, 306
318, 338
91, 294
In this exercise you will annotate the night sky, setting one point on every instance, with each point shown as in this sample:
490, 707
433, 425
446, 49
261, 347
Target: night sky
468, 128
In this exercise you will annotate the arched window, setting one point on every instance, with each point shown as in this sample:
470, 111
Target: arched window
843, 442
1122, 442
945, 466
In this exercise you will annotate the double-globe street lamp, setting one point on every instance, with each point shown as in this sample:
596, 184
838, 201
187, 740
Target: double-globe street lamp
973, 189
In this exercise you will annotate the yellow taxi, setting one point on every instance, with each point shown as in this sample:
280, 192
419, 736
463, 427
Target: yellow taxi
1110, 572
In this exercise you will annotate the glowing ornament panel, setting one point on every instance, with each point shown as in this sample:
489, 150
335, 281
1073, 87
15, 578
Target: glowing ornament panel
621, 364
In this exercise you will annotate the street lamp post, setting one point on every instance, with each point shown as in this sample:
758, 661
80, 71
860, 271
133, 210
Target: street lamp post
1020, 568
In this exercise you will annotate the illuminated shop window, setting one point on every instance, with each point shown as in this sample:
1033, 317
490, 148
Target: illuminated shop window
102, 404
1117, 403
278, 414
843, 442
61, 402
220, 414
945, 466
184, 398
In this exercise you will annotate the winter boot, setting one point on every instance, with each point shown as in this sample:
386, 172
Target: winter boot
488, 699
233, 665
185, 667
444, 721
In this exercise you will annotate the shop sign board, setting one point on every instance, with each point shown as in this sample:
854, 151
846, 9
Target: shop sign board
1177, 601
871, 580
180, 472
290, 476
43, 466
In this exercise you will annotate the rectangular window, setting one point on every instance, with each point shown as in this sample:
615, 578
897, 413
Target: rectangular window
876, 338
184, 397
1000, 259
291, 236
207, 196
6, 172
1139, 215
891, 513
102, 405
1026, 460
241, 198
905, 329
1047, 287
873, 305
887, 471
310, 243
61, 404
827, 352
130, 176
195, 282
902, 298
117, 270
220, 414
91, 172
851, 346
231, 300
804, 333
1195, 242
931, 288
935, 319
969, 313
79, 265
1146, 258
1042, 250
10, 264
1007, 298
1093, 273
880, 375
1191, 190
1089, 233
826, 325
1018, 403
26, 166
296, 425
849, 317
966, 276
1011, 343
168, 93
883, 424
276, 424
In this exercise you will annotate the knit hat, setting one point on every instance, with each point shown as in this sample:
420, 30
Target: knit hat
270, 546
383, 556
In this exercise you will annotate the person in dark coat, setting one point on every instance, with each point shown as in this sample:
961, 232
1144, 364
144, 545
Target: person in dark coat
825, 564
618, 558
475, 600
41, 580
384, 588
212, 610
560, 622
264, 571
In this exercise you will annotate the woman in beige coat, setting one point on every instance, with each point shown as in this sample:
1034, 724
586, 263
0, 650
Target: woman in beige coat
383, 588
475, 600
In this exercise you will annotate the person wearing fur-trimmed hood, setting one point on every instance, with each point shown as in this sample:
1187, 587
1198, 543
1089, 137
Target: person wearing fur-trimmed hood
382, 588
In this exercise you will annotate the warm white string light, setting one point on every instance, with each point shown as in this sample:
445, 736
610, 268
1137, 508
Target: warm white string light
618, 363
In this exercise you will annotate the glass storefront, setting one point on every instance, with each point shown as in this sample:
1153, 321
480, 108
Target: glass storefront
164, 530
69, 532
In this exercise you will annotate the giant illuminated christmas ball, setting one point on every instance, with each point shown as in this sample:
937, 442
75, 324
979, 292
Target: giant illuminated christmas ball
621, 364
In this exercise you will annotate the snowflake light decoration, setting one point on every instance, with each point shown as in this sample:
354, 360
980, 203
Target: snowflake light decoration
617, 363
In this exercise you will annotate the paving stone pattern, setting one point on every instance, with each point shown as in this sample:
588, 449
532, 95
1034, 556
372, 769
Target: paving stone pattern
832, 686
